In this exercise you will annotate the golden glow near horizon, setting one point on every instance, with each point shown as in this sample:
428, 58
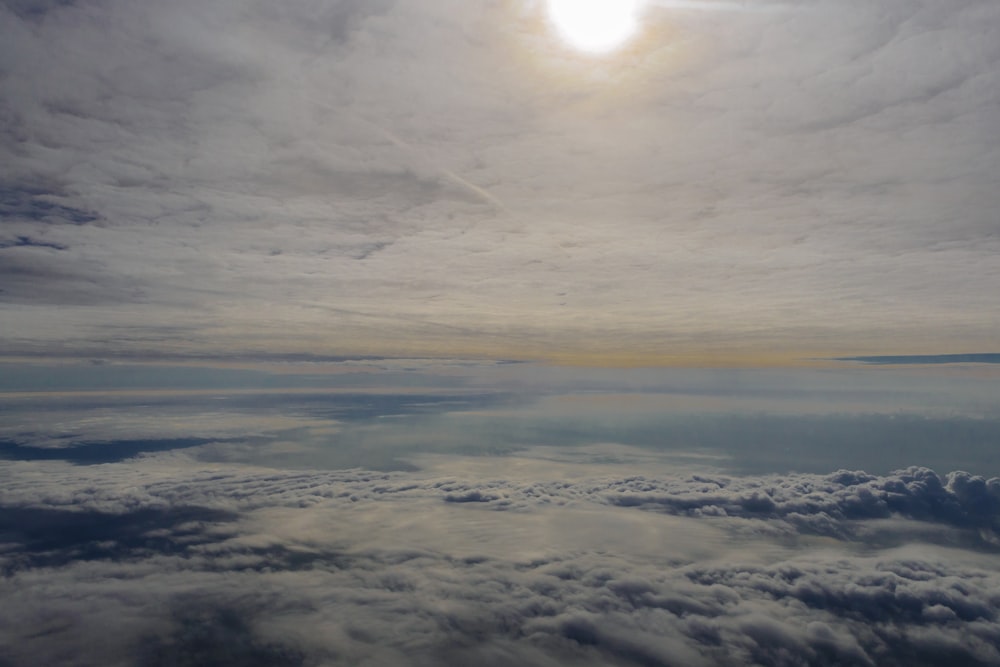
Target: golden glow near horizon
595, 26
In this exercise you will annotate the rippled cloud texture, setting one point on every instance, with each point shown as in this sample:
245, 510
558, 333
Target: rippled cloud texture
221, 567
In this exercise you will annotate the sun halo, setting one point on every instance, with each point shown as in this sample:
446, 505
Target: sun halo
594, 26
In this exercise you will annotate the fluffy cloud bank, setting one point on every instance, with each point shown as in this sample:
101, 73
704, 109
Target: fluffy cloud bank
239, 566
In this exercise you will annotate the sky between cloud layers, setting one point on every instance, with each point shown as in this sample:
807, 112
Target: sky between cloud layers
447, 178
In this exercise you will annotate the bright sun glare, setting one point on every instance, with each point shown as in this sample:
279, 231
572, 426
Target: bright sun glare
596, 26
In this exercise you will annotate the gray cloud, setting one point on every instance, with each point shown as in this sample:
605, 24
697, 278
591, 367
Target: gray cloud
836, 505
390, 173
32, 204
42, 273
981, 358
194, 583
28, 242
214, 637
820, 503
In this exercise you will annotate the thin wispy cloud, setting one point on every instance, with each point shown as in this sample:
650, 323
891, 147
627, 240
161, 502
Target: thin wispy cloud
381, 177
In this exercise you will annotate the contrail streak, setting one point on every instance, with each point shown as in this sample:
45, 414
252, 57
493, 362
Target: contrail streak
447, 173
472, 188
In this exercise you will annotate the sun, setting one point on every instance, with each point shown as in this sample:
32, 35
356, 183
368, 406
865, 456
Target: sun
595, 26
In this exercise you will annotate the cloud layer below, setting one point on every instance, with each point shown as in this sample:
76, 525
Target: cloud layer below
525, 561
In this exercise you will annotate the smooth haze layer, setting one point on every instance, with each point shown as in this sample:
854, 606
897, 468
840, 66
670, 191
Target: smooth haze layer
755, 181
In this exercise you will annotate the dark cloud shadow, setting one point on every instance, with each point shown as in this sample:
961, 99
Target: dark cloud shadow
92, 453
30, 204
48, 537
919, 359
216, 636
35, 9
29, 242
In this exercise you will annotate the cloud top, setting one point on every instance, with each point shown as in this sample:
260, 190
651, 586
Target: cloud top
244, 566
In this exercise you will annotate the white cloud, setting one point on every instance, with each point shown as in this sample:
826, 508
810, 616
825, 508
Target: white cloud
374, 568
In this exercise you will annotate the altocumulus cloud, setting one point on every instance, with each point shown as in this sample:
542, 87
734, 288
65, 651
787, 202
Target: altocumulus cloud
238, 565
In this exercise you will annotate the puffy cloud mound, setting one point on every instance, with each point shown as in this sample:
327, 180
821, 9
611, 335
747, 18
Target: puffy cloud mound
960, 499
422, 608
253, 567
818, 504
